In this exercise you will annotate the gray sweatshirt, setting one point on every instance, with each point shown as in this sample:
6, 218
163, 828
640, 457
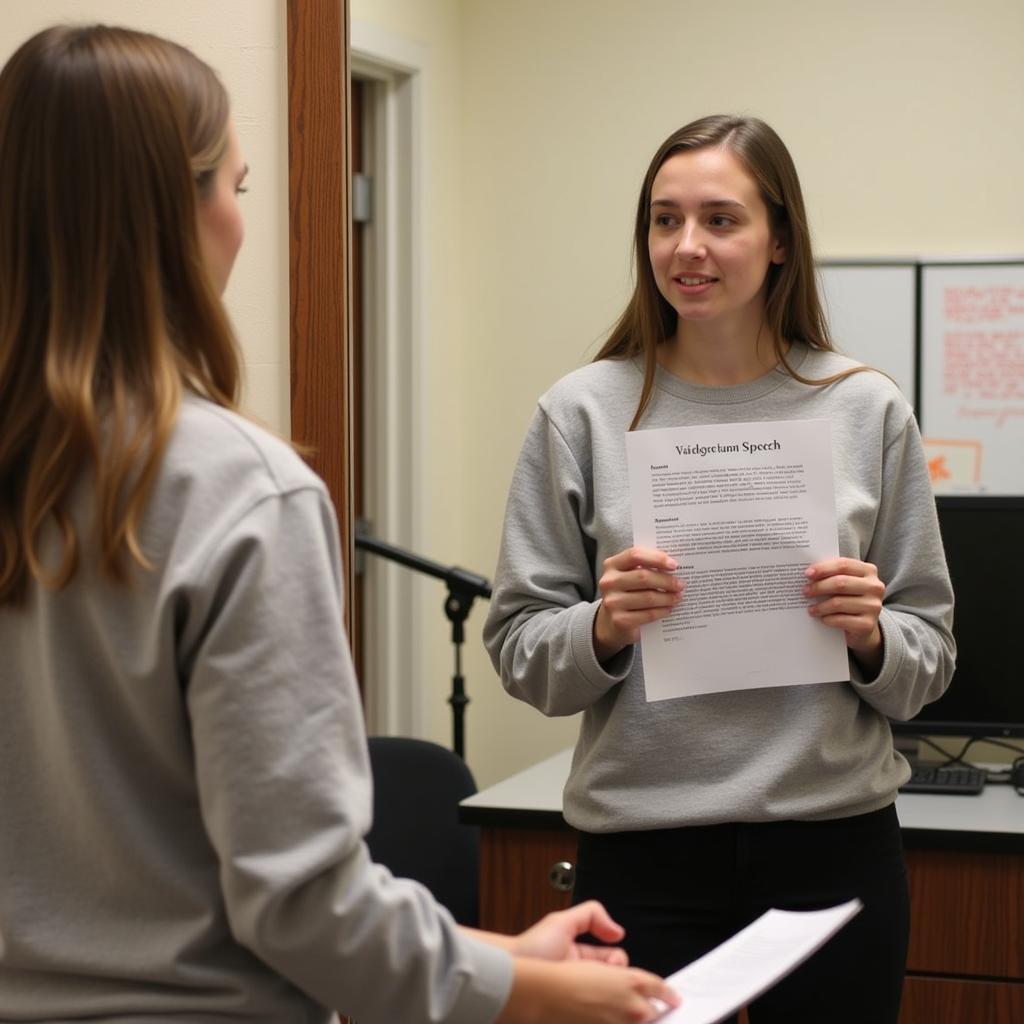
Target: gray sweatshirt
184, 782
801, 752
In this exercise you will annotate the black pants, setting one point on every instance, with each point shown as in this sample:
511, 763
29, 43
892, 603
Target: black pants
680, 892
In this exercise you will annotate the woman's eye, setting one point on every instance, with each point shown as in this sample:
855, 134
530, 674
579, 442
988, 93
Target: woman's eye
663, 220
720, 220
240, 190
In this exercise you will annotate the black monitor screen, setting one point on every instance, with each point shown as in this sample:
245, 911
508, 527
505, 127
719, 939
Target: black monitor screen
984, 541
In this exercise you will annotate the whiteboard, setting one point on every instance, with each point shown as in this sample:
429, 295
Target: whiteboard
972, 376
872, 314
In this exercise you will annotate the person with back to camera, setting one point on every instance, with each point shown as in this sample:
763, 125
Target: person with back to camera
184, 782
698, 814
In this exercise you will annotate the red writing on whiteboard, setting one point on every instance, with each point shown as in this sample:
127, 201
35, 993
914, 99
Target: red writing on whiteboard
998, 415
982, 305
984, 365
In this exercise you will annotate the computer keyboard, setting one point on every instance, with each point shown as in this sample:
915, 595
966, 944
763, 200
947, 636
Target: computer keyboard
950, 779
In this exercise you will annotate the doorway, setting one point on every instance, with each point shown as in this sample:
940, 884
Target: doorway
387, 317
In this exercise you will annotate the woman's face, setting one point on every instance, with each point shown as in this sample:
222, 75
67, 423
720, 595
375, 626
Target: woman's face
710, 239
220, 217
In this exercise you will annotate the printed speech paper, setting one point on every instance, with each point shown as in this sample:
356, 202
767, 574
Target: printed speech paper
752, 961
744, 508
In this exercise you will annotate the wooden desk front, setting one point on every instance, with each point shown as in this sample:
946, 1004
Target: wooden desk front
965, 859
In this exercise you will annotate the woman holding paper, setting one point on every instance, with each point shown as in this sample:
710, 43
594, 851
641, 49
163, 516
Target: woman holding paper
698, 813
184, 781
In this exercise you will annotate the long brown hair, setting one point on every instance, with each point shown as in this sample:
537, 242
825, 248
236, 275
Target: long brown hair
793, 310
109, 140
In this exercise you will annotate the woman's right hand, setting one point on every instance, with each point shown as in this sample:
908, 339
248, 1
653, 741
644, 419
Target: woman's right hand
636, 588
584, 992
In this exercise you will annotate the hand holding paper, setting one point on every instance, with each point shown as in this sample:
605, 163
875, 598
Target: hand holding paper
744, 509
637, 588
849, 595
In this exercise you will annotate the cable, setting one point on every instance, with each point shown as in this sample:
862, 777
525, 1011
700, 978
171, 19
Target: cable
1002, 743
1017, 776
959, 757
950, 758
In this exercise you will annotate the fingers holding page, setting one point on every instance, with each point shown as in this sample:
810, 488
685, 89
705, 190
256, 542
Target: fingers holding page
637, 587
638, 557
641, 573
585, 992
848, 595
844, 583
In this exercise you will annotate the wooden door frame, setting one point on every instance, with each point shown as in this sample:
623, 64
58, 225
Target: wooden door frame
319, 232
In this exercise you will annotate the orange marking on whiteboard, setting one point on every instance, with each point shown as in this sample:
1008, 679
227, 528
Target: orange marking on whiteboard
957, 460
937, 469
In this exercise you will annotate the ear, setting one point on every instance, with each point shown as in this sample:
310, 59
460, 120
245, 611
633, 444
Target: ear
781, 246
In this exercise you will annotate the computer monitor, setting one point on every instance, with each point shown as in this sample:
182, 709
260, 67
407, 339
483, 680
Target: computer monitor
984, 540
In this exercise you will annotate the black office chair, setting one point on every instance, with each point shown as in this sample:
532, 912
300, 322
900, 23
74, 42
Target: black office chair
416, 831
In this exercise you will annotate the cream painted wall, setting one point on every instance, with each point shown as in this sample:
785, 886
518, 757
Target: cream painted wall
903, 120
502, 735
245, 40
541, 115
440, 505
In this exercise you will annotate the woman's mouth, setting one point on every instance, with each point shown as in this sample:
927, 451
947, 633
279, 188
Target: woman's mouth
693, 284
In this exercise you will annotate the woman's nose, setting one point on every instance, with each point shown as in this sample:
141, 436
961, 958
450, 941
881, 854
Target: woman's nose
691, 244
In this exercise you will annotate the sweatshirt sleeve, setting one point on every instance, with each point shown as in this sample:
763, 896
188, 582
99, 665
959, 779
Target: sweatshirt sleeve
917, 613
285, 790
539, 628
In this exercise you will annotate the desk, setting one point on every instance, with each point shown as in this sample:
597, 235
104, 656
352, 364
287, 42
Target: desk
965, 859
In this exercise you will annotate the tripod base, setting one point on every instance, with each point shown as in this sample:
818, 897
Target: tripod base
456, 607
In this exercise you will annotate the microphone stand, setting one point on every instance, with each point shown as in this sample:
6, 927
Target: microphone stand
463, 588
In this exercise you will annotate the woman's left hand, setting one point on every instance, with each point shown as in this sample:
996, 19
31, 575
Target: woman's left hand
848, 596
554, 936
